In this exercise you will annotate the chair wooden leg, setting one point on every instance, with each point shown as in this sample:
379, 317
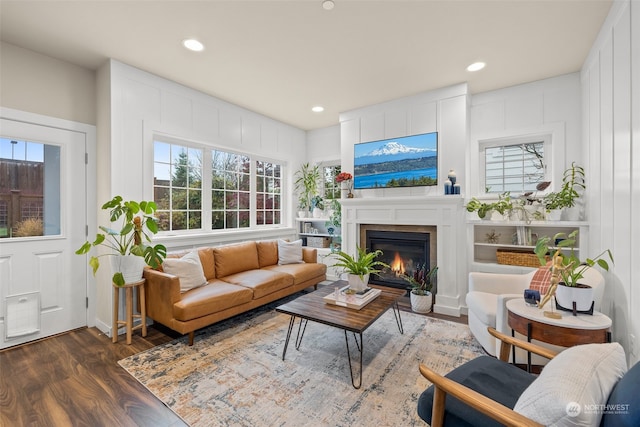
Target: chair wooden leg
437, 411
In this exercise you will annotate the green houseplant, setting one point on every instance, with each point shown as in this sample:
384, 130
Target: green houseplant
570, 269
573, 185
136, 224
360, 266
422, 281
502, 205
306, 184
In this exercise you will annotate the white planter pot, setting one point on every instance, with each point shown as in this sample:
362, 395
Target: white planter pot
572, 214
356, 283
317, 213
554, 215
130, 266
421, 303
302, 214
566, 295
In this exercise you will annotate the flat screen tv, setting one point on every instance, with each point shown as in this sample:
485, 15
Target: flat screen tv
408, 161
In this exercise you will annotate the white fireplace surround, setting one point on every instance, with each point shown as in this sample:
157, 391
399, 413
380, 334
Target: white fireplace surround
446, 213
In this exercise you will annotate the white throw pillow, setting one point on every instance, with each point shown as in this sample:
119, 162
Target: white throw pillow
289, 252
188, 269
573, 385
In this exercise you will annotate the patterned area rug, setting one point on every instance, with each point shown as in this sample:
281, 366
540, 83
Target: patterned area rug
234, 374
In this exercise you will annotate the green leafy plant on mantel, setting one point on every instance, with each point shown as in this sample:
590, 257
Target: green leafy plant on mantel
572, 269
362, 264
502, 205
137, 223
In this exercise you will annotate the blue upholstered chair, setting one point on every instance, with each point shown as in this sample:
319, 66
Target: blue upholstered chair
589, 384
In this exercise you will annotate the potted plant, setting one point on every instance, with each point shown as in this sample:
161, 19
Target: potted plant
421, 283
484, 210
359, 268
573, 184
317, 206
130, 253
335, 219
306, 184
571, 269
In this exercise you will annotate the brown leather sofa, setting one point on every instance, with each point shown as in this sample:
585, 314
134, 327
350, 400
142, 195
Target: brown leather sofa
239, 277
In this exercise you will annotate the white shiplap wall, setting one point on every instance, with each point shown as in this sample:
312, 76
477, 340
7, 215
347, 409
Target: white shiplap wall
611, 115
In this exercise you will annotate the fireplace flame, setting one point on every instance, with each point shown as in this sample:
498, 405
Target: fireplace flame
397, 266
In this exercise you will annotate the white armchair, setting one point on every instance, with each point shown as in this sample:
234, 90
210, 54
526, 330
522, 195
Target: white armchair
488, 295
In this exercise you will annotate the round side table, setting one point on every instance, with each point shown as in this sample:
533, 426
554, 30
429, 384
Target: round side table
128, 322
567, 331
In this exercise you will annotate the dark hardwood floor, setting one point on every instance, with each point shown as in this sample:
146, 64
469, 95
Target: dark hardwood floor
73, 379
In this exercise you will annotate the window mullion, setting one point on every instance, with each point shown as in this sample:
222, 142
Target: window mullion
207, 170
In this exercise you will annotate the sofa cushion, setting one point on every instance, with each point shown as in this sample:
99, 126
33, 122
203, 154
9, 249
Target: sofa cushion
188, 269
261, 281
484, 305
541, 280
208, 263
301, 272
215, 296
289, 252
231, 259
267, 252
573, 383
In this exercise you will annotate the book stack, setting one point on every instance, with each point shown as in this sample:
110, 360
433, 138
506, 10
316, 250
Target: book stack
352, 300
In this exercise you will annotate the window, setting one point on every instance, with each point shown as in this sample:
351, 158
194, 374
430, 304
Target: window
268, 197
177, 186
515, 165
230, 190
330, 189
239, 186
29, 189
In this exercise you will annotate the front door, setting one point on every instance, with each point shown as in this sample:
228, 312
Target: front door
43, 288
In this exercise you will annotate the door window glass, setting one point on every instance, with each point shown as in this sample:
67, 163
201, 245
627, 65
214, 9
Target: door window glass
29, 189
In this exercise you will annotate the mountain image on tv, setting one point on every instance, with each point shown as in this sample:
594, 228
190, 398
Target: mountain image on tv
398, 162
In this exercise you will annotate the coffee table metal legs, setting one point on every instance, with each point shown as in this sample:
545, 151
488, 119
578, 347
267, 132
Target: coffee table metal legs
302, 327
360, 346
299, 336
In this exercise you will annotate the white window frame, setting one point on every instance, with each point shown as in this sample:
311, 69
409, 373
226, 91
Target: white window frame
206, 216
545, 138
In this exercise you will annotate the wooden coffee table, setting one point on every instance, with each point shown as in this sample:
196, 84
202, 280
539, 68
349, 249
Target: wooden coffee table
313, 307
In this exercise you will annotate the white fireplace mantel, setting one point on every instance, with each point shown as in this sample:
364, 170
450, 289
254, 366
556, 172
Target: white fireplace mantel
446, 213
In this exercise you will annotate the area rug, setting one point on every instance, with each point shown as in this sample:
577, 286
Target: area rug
234, 374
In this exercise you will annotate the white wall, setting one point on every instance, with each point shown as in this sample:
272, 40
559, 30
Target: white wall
39, 84
611, 115
323, 145
550, 106
136, 105
443, 110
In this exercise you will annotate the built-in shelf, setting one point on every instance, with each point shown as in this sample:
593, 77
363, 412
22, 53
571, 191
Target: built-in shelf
516, 235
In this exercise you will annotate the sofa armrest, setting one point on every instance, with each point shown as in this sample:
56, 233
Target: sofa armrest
162, 291
494, 283
309, 255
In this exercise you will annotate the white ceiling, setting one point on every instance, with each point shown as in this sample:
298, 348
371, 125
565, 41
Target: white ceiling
280, 58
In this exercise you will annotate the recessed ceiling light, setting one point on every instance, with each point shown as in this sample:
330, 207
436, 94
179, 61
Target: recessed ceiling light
476, 66
328, 4
193, 44
317, 109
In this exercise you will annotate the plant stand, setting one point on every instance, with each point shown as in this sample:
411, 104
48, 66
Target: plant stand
128, 322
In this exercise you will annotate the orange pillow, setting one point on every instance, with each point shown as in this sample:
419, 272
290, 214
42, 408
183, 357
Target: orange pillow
541, 280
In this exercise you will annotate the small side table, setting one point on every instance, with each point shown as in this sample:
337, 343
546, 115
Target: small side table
567, 331
128, 322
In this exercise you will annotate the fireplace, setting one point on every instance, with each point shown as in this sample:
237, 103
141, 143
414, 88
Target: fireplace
408, 253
